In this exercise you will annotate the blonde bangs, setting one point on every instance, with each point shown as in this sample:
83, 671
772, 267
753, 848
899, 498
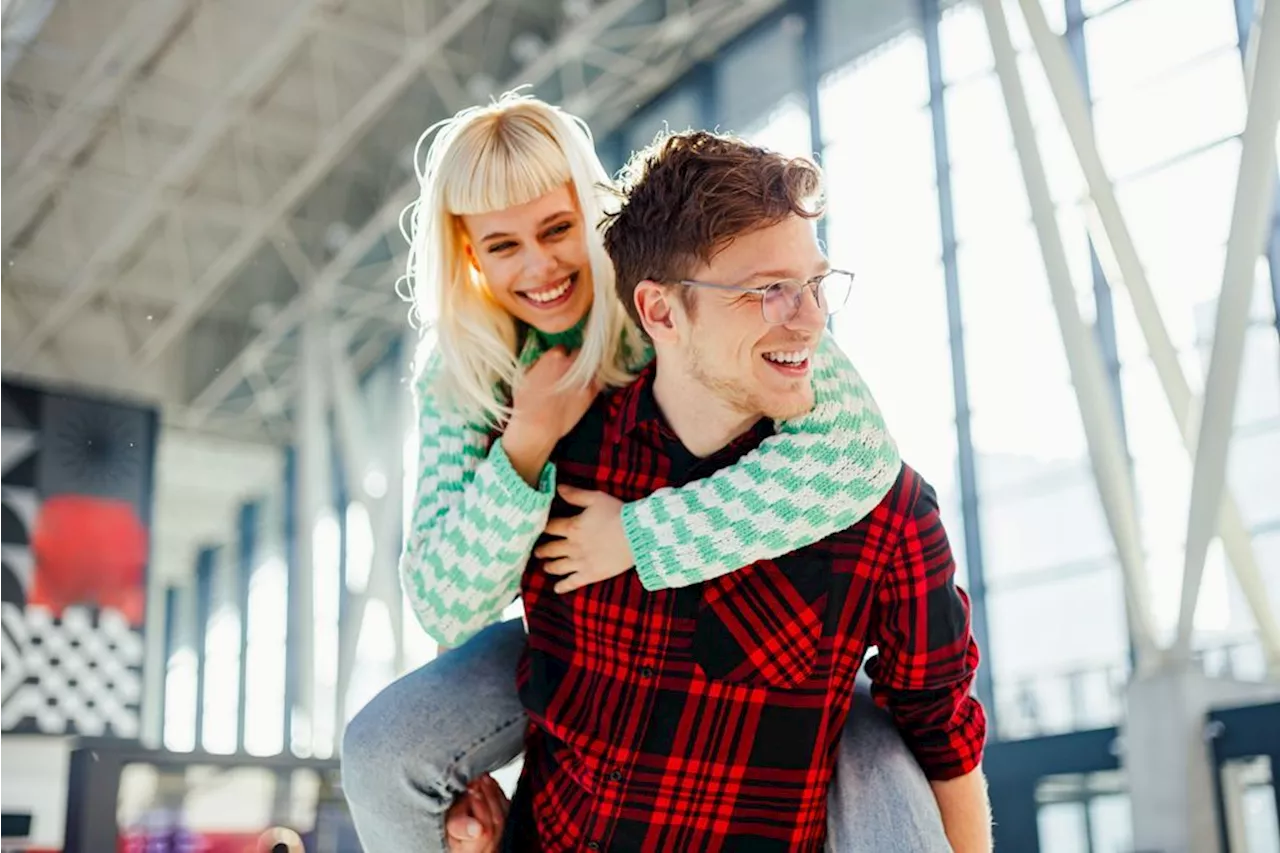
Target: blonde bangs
503, 161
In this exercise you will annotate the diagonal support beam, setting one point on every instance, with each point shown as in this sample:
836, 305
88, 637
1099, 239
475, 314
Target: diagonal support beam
1115, 244
1255, 189
332, 148
96, 272
288, 318
1246, 12
1097, 406
112, 70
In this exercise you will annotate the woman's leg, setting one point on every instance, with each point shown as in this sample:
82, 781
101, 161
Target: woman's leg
880, 801
415, 746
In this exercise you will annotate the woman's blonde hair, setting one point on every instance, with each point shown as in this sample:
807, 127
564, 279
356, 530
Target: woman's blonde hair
483, 159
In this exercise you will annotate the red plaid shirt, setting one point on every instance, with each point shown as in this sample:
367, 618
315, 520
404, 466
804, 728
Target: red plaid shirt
708, 718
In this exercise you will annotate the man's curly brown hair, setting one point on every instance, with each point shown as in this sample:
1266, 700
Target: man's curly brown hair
689, 194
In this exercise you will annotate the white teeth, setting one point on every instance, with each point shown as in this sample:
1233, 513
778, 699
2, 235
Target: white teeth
797, 357
552, 294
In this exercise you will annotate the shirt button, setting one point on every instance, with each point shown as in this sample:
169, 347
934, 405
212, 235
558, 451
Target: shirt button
646, 672
593, 845
615, 776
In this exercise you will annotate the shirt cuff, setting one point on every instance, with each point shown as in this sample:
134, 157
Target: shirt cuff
963, 753
513, 484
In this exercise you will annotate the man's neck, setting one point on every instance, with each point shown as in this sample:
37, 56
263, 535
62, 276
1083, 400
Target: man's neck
703, 423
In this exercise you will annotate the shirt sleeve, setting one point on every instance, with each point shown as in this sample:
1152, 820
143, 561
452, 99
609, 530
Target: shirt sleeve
819, 474
473, 526
927, 656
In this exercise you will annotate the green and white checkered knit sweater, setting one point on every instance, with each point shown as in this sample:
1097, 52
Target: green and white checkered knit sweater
475, 521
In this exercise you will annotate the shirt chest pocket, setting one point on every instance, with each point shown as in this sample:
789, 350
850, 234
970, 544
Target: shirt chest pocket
762, 624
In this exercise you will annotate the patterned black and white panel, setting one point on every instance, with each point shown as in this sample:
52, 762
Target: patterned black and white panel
81, 674
18, 504
73, 670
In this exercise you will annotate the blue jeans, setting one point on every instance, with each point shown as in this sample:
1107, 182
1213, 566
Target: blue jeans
418, 743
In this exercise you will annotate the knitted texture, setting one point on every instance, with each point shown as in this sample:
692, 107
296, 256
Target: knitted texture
475, 521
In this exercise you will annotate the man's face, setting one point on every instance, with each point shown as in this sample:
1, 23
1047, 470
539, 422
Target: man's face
726, 345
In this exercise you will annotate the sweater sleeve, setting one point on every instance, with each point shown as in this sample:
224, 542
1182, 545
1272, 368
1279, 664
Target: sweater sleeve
473, 525
818, 474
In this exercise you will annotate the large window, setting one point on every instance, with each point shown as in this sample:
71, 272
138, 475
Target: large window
883, 225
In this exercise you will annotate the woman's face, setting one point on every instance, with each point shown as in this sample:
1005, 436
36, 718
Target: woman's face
534, 259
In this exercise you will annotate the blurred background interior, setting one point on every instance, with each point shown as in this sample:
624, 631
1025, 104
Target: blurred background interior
205, 366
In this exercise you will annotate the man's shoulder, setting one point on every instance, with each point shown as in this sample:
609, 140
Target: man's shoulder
910, 497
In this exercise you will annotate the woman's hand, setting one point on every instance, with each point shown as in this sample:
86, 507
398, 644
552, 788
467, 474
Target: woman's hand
475, 821
593, 544
542, 414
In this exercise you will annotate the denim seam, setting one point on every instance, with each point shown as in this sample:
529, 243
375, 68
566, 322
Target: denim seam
460, 755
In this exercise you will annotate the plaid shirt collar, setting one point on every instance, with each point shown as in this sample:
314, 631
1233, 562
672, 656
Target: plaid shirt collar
634, 413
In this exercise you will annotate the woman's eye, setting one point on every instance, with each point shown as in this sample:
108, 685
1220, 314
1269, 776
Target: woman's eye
557, 230
501, 247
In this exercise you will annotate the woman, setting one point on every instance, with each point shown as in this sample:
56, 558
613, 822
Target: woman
507, 266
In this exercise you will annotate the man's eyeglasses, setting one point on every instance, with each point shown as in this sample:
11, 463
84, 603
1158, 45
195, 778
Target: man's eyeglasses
780, 301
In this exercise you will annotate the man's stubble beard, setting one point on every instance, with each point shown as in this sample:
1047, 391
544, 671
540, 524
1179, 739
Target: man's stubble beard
735, 394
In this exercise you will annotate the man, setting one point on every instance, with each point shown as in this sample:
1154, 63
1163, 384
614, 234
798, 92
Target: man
708, 718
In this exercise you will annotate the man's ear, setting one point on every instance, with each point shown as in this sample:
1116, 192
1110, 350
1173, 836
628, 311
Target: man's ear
655, 306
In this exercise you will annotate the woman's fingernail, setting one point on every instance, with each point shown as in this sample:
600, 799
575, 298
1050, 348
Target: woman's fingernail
473, 829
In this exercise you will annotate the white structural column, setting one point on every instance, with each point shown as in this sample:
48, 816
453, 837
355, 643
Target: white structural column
1115, 243
355, 438
313, 495
389, 527
1097, 408
1166, 758
1249, 220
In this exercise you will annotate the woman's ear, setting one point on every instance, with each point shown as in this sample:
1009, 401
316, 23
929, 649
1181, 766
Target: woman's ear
655, 305
472, 257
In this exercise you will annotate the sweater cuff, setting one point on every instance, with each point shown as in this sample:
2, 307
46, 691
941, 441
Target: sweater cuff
513, 484
643, 547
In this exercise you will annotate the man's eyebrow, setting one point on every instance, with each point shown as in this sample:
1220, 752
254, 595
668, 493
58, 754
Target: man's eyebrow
493, 235
775, 274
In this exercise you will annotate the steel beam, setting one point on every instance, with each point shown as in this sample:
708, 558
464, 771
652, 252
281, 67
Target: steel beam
88, 103
975, 564
137, 221
1097, 408
335, 145
1250, 219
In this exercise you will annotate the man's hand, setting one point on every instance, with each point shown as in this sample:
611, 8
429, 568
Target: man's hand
593, 545
475, 821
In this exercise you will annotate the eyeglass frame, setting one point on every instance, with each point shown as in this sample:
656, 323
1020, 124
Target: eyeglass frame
812, 284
